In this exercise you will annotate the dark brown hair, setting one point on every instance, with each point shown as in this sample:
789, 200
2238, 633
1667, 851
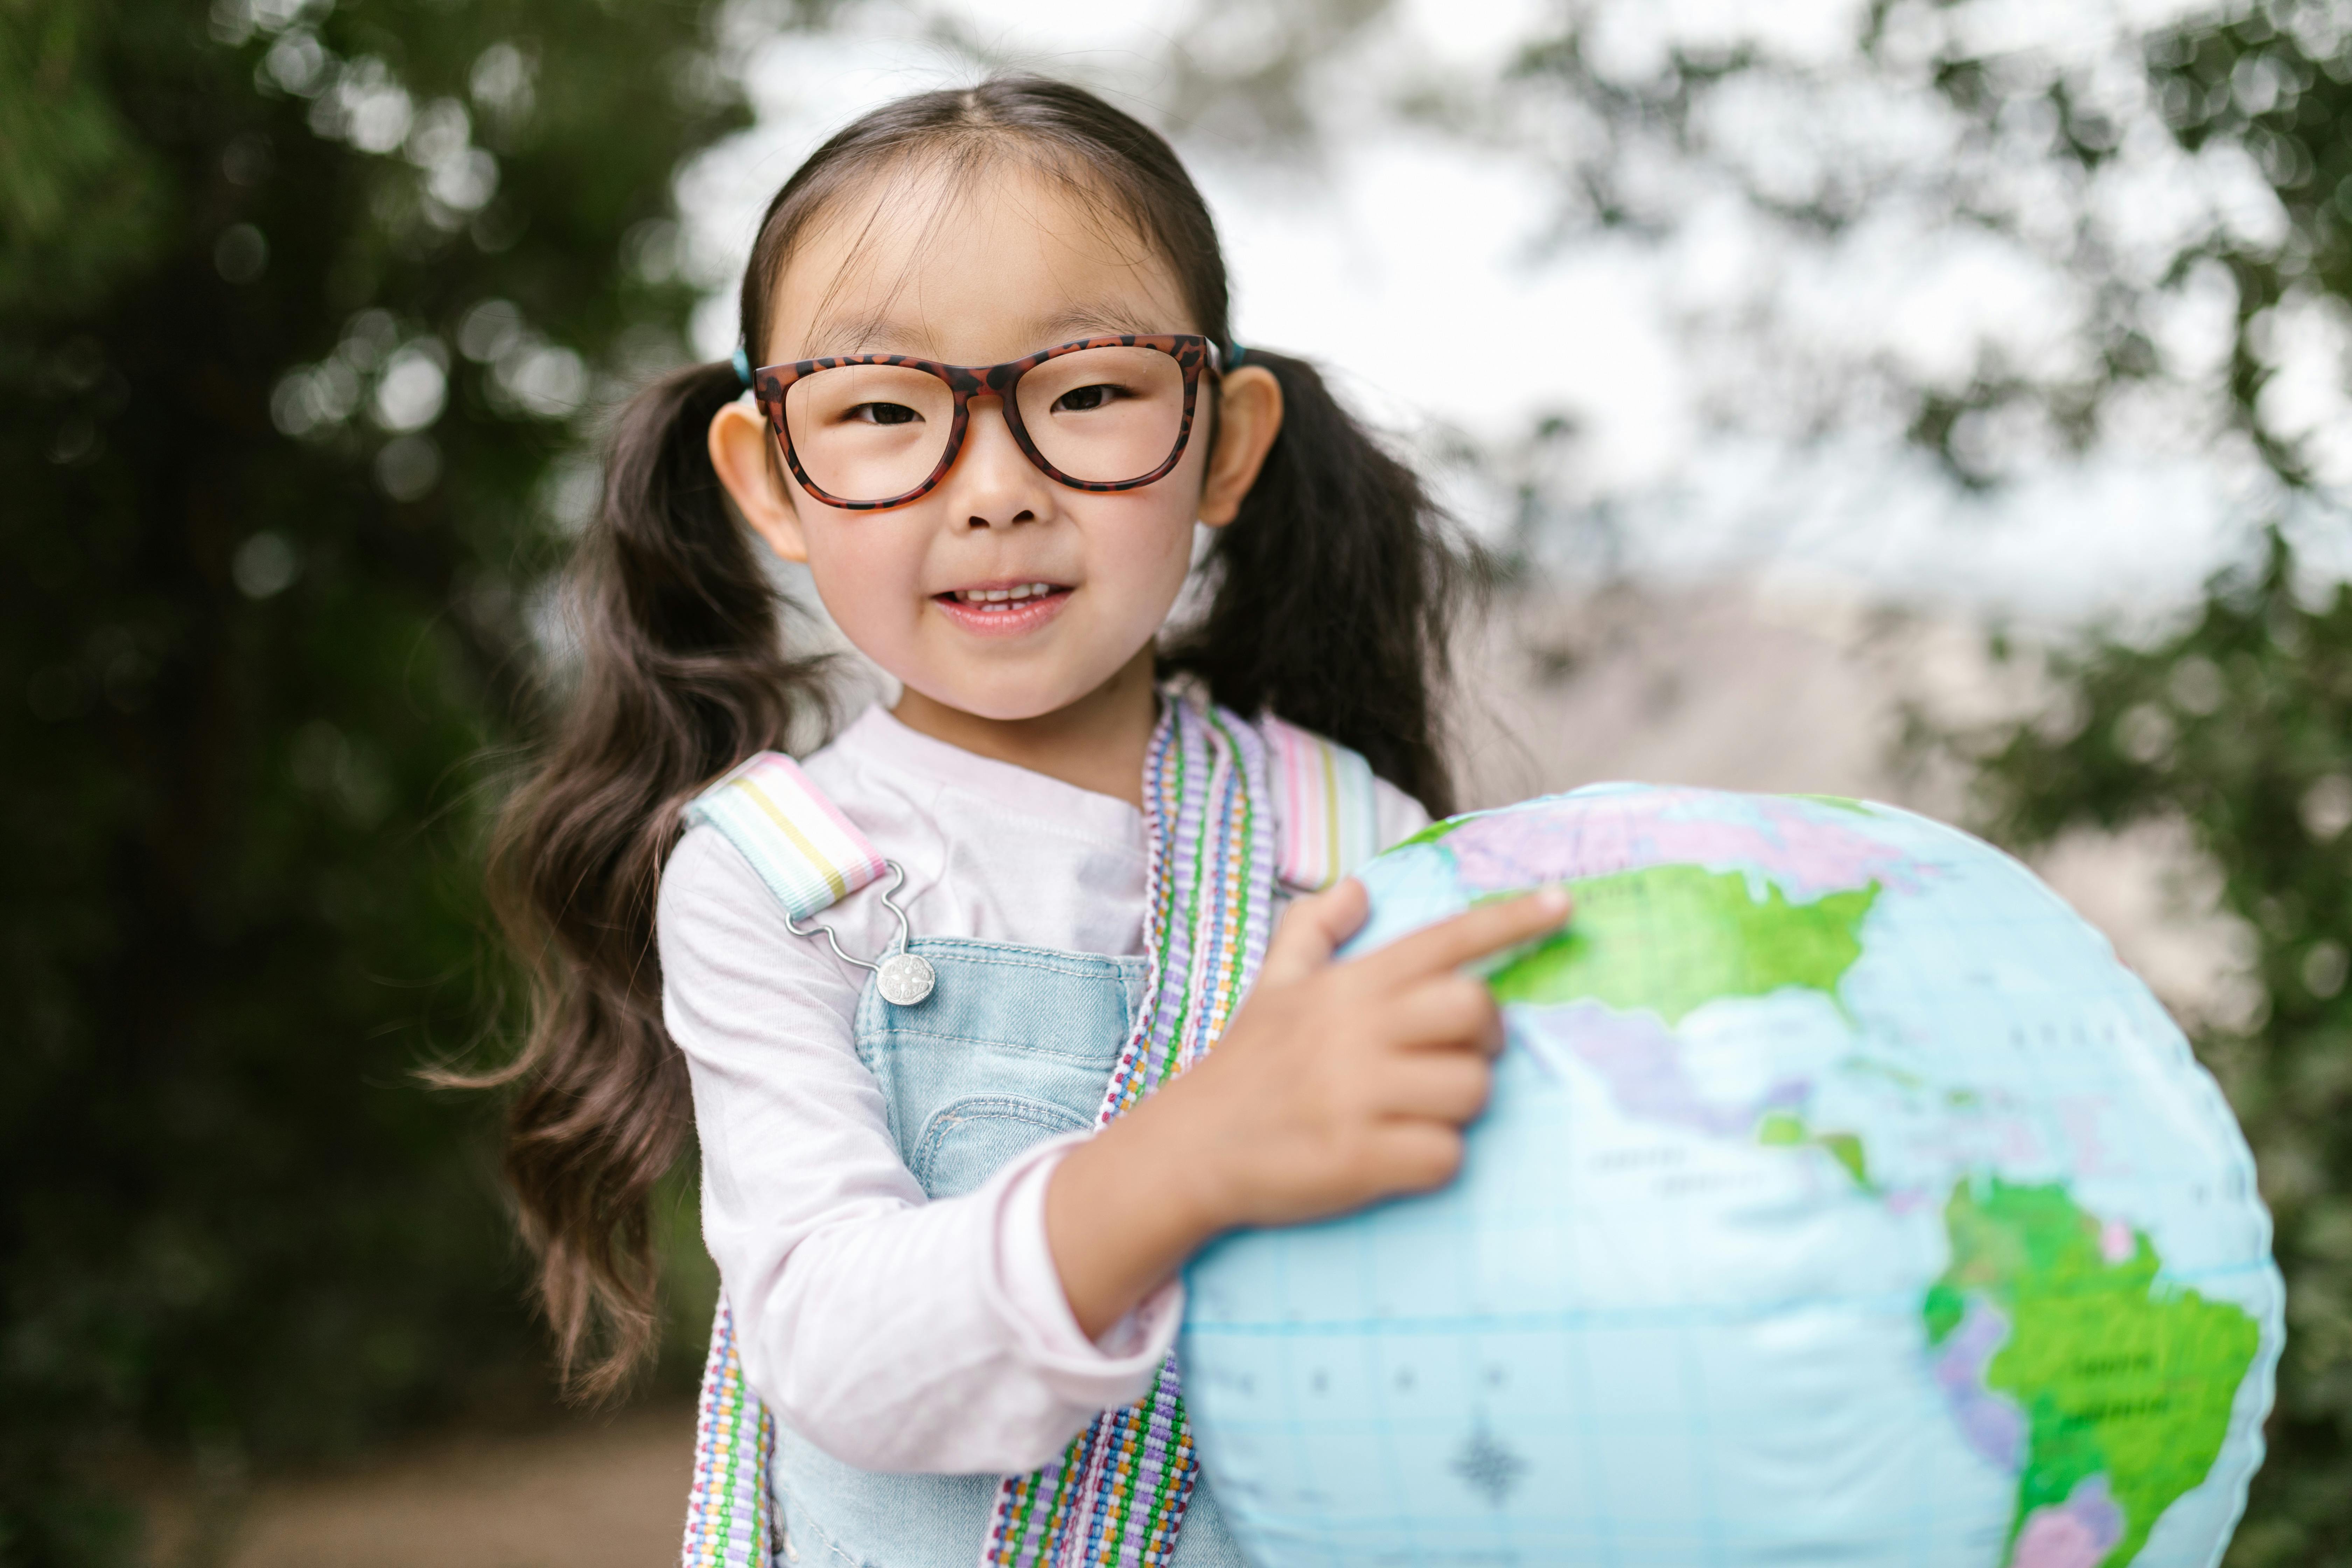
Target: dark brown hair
1332, 596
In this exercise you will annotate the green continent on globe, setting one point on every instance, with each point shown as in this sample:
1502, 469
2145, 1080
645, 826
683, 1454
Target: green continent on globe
2118, 1377
1670, 939
1837, 801
1434, 832
1786, 1129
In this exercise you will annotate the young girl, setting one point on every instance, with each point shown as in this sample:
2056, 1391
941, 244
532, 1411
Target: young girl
921, 990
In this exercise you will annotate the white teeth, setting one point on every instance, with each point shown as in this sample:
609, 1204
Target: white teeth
992, 599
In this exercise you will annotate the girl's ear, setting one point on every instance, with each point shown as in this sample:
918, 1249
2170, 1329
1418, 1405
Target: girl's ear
1249, 416
742, 450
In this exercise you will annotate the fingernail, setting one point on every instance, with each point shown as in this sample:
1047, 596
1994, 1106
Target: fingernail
1552, 902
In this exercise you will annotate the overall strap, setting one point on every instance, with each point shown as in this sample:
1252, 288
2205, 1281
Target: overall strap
729, 1511
1330, 815
1231, 810
808, 854
811, 857
1116, 1496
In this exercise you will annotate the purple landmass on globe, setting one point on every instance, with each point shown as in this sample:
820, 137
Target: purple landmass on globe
1992, 1426
1789, 844
2076, 1533
1641, 1062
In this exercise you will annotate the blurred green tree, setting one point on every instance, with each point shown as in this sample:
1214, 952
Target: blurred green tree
303, 311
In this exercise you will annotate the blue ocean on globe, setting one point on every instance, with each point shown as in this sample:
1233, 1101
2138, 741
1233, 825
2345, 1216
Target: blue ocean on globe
1841, 1200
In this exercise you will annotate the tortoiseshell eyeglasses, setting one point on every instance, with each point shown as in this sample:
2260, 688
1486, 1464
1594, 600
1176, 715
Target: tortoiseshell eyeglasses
873, 431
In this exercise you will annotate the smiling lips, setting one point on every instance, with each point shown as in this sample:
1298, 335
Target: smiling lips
1003, 609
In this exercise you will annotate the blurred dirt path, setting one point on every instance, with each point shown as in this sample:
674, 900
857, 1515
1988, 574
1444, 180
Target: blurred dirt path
604, 1495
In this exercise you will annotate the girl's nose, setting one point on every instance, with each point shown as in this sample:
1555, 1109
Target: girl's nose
992, 484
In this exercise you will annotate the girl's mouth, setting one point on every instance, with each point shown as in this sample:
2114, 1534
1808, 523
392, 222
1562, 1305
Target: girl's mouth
1004, 609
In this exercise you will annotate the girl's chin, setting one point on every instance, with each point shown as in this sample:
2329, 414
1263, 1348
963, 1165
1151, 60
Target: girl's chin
1004, 692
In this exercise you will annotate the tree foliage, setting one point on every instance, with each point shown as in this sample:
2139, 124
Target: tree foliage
302, 310
2045, 247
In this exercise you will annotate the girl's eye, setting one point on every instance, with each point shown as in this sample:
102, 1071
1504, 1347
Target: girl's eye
1085, 399
883, 414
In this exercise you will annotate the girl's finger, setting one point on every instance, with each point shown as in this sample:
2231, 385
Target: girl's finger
1447, 1010
1416, 1154
1448, 1086
1312, 929
1489, 927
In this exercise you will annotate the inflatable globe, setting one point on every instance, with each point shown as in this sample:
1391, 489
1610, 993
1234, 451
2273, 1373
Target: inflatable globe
1841, 1200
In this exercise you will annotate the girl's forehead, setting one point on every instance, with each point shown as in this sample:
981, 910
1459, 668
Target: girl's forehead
970, 265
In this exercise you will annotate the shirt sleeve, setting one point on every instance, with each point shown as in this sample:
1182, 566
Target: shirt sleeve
894, 1332
1400, 815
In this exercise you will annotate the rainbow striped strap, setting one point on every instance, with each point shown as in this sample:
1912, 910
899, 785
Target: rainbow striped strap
729, 1519
811, 857
803, 848
1117, 1494
1330, 815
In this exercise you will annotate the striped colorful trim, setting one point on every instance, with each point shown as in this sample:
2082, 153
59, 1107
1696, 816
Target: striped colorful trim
727, 1509
810, 855
1116, 1496
1330, 815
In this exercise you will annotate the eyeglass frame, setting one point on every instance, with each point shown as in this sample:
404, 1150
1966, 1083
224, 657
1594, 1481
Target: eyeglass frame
1191, 350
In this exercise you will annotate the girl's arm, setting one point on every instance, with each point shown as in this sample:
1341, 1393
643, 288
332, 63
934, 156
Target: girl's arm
894, 1332
1337, 1084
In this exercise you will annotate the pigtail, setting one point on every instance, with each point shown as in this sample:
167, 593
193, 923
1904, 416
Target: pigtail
682, 674
1336, 590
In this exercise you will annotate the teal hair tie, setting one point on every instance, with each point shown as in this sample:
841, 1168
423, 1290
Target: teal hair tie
743, 367
1233, 353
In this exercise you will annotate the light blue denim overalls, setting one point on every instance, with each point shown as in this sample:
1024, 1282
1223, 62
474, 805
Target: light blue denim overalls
991, 1049
1012, 1046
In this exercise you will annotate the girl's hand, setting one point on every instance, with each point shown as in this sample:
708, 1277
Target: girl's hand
1340, 1084
1335, 1085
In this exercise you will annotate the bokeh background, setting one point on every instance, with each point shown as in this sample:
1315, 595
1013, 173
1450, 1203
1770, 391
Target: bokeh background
1950, 403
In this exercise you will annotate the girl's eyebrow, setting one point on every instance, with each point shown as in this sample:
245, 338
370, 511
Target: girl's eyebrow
861, 335
1093, 319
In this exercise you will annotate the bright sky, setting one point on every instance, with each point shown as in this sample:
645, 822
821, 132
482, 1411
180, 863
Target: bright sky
1407, 261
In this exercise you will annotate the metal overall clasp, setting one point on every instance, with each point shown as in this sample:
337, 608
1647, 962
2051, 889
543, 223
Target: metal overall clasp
903, 977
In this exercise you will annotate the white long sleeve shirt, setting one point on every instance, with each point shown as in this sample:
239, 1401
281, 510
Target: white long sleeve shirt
892, 1331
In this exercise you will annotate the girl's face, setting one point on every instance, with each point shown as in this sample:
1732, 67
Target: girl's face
1008, 265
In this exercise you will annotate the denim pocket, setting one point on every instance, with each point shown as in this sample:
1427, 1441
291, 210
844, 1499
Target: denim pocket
967, 1139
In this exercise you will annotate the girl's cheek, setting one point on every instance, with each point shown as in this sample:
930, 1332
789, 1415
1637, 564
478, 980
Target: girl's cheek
869, 589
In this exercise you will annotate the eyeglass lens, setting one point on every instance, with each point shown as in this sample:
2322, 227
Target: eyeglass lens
872, 432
